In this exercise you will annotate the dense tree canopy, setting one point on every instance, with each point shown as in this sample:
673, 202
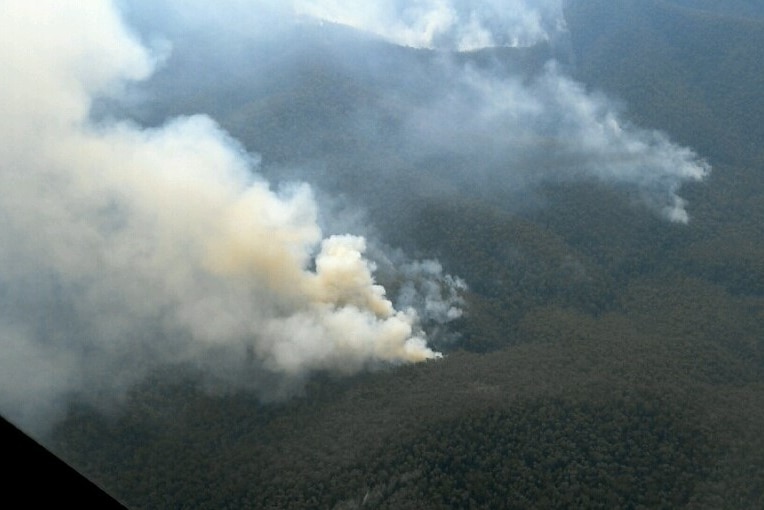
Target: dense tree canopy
608, 358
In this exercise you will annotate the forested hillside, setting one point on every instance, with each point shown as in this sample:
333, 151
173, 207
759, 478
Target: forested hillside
607, 358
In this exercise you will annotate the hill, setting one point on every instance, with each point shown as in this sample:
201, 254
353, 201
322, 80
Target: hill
608, 358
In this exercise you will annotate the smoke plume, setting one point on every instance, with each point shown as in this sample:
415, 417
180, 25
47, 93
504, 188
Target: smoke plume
123, 248
382, 116
518, 132
463, 25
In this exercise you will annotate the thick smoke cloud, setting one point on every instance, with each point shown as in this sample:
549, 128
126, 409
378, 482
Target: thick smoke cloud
124, 248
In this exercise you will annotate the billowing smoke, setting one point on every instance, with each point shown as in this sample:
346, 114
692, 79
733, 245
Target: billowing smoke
436, 295
124, 248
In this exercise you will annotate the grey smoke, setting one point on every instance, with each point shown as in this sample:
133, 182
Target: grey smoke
124, 248
549, 128
463, 25
372, 118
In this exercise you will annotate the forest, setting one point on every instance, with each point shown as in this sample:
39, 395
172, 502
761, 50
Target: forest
606, 357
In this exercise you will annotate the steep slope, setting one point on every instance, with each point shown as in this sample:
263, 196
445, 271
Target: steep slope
608, 358
691, 72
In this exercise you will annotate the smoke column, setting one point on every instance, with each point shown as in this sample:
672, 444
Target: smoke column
123, 248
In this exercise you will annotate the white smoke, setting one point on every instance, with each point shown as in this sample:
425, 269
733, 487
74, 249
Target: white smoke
123, 248
462, 25
550, 128
437, 297
515, 128
500, 130
427, 288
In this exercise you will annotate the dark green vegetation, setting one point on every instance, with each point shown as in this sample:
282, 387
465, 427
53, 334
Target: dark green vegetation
609, 359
